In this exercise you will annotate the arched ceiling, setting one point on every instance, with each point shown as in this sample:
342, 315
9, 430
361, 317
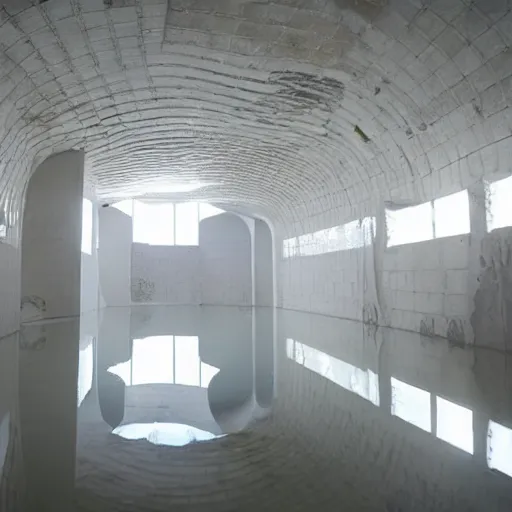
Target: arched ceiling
274, 106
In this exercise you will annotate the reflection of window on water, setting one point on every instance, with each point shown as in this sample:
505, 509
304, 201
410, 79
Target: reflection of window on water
85, 368
87, 226
5, 426
499, 448
362, 382
159, 223
411, 404
168, 434
165, 360
455, 424
446, 216
499, 213
353, 235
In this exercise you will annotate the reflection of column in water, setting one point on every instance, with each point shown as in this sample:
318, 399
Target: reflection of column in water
225, 342
12, 477
264, 356
48, 397
114, 348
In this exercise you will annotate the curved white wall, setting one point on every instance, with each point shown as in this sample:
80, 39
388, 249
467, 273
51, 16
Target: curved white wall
226, 272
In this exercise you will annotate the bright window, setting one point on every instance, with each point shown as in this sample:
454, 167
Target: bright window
411, 404
446, 216
353, 235
499, 448
153, 223
168, 223
187, 224
410, 225
86, 226
451, 215
152, 361
499, 210
187, 360
455, 424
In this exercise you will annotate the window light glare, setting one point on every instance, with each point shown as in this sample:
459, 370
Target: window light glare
353, 235
499, 213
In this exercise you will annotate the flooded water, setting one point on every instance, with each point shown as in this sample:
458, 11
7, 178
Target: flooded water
230, 409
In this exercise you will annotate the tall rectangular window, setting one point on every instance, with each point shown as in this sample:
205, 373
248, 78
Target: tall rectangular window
410, 225
152, 360
499, 210
87, 221
451, 215
186, 360
187, 224
153, 223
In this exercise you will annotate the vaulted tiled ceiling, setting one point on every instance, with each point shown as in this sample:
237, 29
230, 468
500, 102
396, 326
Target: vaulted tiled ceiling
275, 106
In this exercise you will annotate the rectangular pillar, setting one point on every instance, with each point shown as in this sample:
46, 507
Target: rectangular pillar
115, 256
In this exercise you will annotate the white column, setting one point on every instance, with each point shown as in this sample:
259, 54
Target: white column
115, 256
51, 238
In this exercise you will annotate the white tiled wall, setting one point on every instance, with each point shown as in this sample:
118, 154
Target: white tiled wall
422, 287
167, 275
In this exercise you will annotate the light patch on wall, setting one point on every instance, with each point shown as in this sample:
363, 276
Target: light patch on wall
125, 207
87, 221
353, 235
446, 216
5, 426
455, 424
167, 434
364, 383
207, 210
165, 360
411, 404
499, 212
499, 448
85, 368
